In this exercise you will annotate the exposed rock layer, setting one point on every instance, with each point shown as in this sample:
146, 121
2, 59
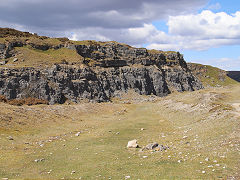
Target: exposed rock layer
61, 82
107, 70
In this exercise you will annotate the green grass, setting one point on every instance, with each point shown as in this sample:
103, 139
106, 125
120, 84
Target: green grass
100, 152
211, 76
35, 58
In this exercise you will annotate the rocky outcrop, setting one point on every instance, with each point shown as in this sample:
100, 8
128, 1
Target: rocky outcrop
61, 82
107, 69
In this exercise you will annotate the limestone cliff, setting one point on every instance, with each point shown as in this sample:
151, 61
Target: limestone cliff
105, 70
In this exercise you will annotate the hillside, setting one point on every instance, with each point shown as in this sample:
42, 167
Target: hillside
59, 70
49, 130
211, 76
88, 140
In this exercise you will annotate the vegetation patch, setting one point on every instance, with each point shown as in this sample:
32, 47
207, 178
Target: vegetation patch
25, 101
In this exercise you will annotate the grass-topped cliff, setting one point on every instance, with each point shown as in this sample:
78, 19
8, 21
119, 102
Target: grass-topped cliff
32, 50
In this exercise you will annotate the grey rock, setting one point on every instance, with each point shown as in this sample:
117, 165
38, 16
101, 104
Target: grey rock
113, 73
151, 146
15, 59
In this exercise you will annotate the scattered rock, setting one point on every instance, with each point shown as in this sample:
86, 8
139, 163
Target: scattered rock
151, 146
78, 133
132, 144
144, 156
49, 171
10, 138
127, 177
4, 178
15, 59
3, 62
39, 160
207, 159
142, 129
185, 137
203, 172
117, 132
73, 172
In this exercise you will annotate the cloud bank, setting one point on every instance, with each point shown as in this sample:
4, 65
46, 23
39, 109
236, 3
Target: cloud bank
126, 21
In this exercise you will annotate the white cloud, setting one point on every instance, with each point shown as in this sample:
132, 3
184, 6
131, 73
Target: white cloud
193, 31
201, 31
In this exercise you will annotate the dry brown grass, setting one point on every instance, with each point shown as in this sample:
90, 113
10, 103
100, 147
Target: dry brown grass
3, 98
26, 101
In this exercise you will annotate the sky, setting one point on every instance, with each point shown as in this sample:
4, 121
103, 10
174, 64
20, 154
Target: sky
205, 31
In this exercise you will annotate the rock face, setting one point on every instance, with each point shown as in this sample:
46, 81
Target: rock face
108, 69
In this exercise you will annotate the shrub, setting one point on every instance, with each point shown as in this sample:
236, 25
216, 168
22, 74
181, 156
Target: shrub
3, 98
27, 101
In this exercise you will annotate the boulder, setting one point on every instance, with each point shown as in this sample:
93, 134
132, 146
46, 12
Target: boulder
132, 144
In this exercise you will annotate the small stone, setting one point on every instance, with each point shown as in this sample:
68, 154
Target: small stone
207, 159
142, 129
185, 137
117, 132
151, 146
15, 59
215, 161
179, 161
144, 156
73, 172
218, 165
10, 138
78, 133
213, 170
4, 178
203, 172
127, 177
132, 144
3, 62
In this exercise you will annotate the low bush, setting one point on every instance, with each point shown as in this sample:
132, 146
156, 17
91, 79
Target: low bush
26, 101
3, 98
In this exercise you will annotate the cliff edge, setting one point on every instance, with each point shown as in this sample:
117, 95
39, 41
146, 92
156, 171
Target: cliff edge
58, 69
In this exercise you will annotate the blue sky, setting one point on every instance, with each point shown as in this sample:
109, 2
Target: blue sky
205, 31
225, 56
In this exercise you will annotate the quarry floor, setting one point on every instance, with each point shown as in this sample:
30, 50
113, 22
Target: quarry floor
88, 140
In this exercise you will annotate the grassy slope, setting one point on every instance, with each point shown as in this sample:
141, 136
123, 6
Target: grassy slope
211, 76
33, 57
205, 117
